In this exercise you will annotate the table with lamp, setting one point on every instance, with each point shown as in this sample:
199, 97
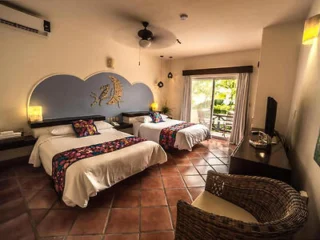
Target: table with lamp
16, 147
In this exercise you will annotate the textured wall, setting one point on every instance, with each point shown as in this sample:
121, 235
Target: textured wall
68, 96
303, 130
278, 65
79, 44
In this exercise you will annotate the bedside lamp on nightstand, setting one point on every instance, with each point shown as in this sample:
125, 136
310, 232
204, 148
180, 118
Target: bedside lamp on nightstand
154, 106
35, 113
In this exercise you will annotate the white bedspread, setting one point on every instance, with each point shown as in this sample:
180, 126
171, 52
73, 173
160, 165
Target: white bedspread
185, 139
85, 178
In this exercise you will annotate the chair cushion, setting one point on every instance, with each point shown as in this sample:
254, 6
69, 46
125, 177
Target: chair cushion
218, 206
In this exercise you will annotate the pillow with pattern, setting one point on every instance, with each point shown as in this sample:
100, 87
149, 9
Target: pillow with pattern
84, 128
156, 117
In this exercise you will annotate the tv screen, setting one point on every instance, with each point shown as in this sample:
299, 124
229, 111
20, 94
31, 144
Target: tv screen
270, 116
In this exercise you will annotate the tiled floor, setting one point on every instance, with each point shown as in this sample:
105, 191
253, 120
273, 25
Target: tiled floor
141, 207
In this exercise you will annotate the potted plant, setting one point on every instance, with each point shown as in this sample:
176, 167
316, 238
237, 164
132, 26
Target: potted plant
165, 109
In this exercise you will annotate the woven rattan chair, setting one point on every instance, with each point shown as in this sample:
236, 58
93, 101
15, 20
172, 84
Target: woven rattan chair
278, 209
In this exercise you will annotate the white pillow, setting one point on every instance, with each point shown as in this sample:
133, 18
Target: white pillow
62, 130
144, 119
37, 132
164, 116
102, 125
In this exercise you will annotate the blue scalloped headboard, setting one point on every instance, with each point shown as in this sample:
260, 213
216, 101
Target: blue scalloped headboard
68, 96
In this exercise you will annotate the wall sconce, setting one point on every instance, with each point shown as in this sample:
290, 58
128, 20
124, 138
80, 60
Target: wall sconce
154, 106
311, 29
35, 114
110, 62
160, 84
170, 75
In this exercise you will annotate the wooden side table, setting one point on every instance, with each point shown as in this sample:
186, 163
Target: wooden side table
9, 149
125, 127
247, 160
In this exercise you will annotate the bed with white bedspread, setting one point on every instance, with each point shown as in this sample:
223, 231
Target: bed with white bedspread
85, 178
185, 138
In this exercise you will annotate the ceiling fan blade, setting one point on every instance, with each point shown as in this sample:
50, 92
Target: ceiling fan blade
127, 36
162, 39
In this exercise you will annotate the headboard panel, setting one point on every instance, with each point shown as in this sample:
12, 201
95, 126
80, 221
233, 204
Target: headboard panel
107, 94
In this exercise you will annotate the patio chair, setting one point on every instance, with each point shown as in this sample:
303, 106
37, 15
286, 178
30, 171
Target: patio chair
228, 123
241, 207
202, 119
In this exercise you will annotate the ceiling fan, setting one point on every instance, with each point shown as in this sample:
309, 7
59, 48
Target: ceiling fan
149, 36
145, 35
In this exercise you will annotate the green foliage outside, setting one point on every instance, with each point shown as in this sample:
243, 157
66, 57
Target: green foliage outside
224, 94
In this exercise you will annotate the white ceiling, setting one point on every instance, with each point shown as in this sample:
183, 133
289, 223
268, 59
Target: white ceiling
214, 26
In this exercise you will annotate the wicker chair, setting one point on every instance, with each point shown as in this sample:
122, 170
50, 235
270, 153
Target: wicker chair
278, 209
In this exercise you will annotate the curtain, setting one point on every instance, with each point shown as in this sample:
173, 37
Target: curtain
186, 103
240, 115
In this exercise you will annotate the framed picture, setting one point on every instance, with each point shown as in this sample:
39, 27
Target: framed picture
317, 151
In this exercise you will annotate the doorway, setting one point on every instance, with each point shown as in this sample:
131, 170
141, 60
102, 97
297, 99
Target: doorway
213, 103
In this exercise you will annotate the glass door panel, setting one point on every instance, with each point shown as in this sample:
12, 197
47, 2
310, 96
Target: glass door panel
201, 101
223, 107
213, 103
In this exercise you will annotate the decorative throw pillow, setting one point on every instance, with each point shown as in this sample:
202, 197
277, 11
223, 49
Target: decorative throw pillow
84, 128
156, 117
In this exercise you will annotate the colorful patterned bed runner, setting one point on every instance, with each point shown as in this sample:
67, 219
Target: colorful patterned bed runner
63, 160
168, 135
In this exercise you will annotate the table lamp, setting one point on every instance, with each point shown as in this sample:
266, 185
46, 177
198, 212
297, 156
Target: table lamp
154, 106
35, 113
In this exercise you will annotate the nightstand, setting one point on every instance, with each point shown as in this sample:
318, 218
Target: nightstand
125, 127
17, 142
16, 149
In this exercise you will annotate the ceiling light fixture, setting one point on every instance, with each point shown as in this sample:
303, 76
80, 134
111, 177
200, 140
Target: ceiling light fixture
183, 16
144, 43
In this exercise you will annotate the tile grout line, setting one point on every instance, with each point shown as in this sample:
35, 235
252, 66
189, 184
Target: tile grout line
28, 211
104, 233
168, 206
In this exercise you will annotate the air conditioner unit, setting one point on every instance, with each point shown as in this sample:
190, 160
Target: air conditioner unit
23, 21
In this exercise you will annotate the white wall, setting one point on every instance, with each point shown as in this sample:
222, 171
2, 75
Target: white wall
174, 87
278, 63
78, 45
304, 126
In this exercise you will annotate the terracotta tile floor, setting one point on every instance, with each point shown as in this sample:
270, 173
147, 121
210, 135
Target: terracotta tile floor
141, 207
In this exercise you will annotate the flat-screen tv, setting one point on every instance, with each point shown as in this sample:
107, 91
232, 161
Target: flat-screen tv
270, 116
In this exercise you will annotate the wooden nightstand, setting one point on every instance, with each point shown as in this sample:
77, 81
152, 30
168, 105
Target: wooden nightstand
125, 127
17, 142
16, 150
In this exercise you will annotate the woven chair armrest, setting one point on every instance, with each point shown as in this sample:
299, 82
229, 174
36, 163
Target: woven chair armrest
194, 223
219, 183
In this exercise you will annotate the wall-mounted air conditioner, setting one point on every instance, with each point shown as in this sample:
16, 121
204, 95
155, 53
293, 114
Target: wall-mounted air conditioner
23, 21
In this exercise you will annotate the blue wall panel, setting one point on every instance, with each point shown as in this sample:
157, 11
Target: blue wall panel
68, 96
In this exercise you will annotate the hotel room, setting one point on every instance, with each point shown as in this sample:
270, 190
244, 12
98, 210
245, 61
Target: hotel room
159, 119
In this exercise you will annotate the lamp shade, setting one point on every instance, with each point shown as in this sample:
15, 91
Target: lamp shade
144, 43
154, 106
311, 29
35, 113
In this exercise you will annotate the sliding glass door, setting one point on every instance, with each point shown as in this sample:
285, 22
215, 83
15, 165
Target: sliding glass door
213, 103
201, 101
